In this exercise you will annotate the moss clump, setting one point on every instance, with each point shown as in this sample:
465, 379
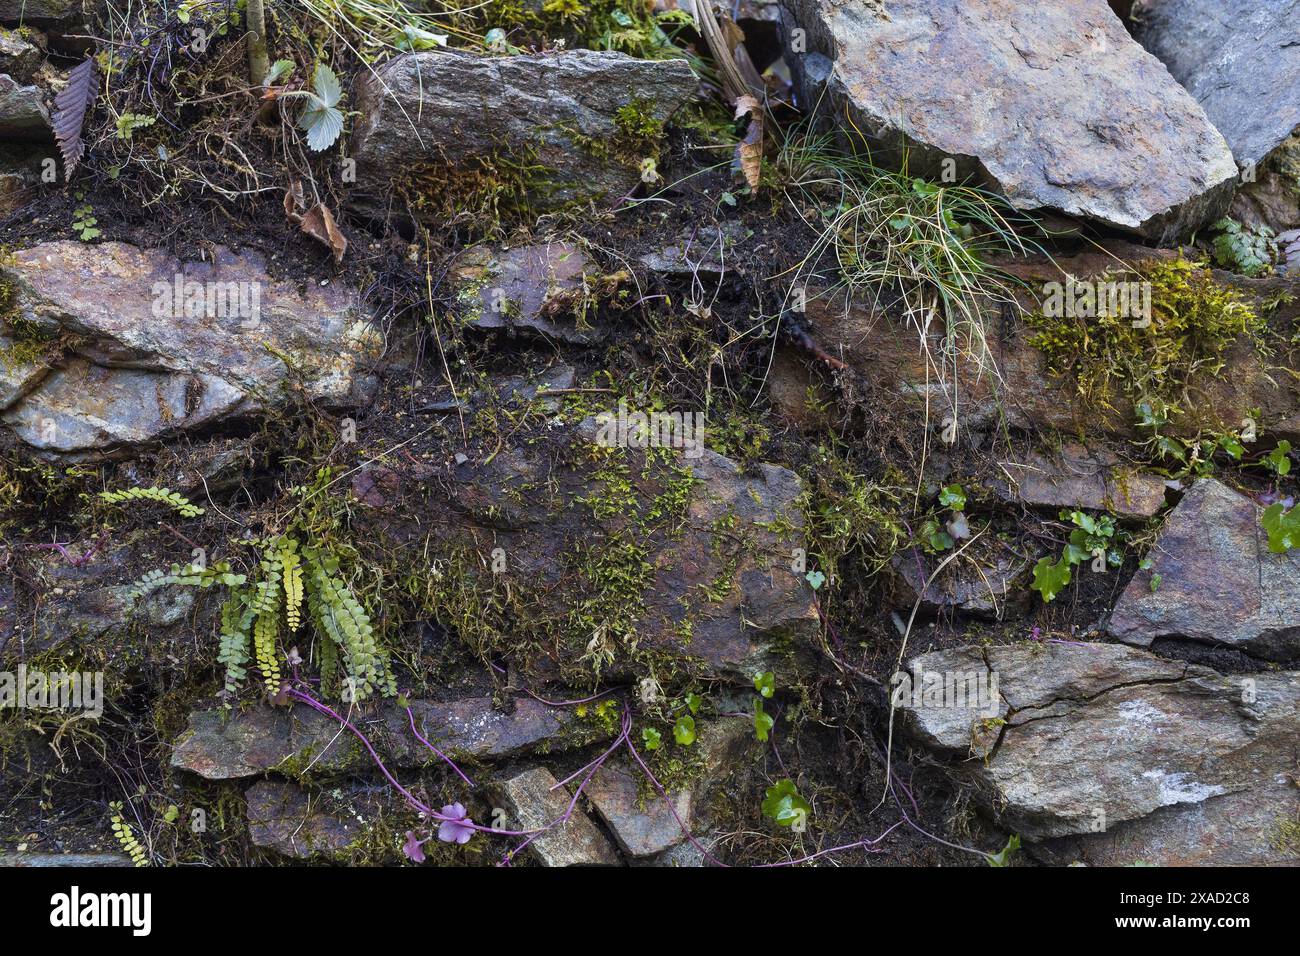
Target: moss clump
639, 132
482, 196
845, 512
1116, 360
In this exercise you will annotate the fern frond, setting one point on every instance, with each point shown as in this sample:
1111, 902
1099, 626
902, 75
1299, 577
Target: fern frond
291, 564
345, 622
236, 621
126, 836
70, 113
183, 506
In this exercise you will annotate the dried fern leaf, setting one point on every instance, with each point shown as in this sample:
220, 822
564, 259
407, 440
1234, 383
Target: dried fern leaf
70, 113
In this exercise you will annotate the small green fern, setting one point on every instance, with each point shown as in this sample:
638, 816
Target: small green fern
126, 836
290, 580
165, 496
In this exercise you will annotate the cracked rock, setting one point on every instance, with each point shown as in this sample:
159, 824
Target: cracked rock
1219, 583
151, 346
1069, 739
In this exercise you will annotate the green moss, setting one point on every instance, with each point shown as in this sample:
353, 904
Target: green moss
1120, 364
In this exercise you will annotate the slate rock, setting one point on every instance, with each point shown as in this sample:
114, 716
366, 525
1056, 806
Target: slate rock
155, 346
534, 801
1074, 476
1081, 738
1061, 110
1243, 68
1219, 583
552, 112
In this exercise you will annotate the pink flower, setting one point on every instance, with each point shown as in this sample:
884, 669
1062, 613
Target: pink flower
456, 827
413, 848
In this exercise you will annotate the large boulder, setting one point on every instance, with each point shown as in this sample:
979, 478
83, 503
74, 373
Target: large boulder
1074, 740
1244, 69
1060, 110
146, 346
1213, 579
564, 126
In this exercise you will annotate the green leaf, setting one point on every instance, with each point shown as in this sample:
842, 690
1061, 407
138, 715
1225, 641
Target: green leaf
1003, 856
784, 804
763, 721
684, 730
1283, 527
1050, 577
693, 702
326, 85
323, 125
1279, 459
953, 497
815, 578
651, 738
765, 683
278, 71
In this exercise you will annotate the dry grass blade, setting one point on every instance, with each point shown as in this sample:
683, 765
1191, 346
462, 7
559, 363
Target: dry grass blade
70, 113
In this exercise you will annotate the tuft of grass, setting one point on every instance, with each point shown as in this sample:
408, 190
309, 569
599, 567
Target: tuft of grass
897, 238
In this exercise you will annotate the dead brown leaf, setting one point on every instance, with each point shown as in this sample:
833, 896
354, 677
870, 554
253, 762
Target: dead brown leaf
319, 224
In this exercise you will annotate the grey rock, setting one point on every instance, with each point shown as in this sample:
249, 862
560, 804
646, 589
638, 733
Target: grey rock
1075, 476
987, 580
24, 114
706, 251
1242, 64
285, 818
1062, 110
77, 860
144, 363
1219, 583
298, 741
1080, 739
534, 801
540, 287
554, 112
18, 58
46, 12
642, 828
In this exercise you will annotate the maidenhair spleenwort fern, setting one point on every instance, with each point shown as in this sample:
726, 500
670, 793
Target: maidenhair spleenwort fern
290, 579
183, 506
126, 836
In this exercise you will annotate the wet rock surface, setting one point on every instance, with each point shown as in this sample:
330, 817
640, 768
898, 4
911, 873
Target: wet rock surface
1218, 582
1123, 144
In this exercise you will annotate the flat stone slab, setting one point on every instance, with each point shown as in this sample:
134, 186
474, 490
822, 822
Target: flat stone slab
1075, 477
154, 346
1076, 739
1219, 583
534, 800
554, 113
1060, 110
283, 817
1241, 61
641, 830
298, 741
